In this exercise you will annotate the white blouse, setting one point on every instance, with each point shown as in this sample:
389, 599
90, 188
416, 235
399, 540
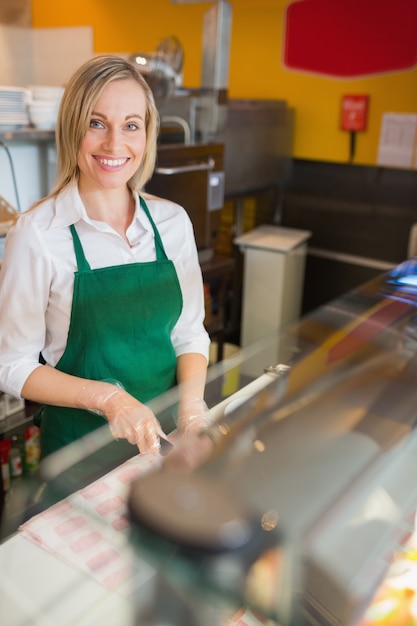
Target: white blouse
37, 277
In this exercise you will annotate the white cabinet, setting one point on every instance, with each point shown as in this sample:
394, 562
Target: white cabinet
273, 279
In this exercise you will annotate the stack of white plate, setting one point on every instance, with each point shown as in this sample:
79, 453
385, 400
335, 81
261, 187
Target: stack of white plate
13, 108
43, 106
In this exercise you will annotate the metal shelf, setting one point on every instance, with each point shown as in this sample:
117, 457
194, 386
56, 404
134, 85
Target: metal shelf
14, 421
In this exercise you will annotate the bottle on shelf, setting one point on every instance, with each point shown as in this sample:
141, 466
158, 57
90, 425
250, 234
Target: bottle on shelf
15, 457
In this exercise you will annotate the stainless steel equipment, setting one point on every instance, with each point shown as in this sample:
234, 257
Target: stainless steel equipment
256, 134
193, 176
162, 68
212, 111
257, 138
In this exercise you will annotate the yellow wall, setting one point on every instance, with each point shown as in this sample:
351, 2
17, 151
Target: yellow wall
256, 70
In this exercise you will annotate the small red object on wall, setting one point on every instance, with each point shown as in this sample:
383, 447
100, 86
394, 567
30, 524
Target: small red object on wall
354, 112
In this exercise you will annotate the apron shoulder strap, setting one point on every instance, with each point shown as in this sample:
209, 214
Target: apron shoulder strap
82, 263
159, 246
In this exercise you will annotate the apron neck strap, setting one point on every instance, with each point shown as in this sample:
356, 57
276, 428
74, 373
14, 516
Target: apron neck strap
82, 263
159, 246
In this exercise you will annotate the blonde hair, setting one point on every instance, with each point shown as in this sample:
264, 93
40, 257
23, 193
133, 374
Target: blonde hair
82, 91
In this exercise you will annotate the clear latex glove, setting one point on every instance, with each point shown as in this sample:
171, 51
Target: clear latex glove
127, 417
193, 416
138, 425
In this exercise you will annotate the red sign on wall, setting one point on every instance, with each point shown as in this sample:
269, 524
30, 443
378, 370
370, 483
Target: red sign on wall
354, 112
349, 38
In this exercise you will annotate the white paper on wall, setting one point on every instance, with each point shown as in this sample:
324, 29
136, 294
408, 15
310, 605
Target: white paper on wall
397, 140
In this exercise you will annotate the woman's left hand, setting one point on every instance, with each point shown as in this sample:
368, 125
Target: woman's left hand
193, 416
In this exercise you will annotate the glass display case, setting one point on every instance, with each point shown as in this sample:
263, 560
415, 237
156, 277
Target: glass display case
298, 502
313, 475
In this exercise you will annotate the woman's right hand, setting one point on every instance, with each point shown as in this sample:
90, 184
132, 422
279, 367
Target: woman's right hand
127, 417
138, 425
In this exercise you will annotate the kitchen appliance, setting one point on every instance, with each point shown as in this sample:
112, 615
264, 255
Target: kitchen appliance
162, 69
256, 134
193, 176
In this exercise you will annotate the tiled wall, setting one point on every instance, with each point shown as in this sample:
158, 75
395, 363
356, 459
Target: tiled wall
59, 51
43, 56
35, 57
361, 218
16, 58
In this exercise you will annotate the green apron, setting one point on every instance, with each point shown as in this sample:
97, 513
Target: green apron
120, 328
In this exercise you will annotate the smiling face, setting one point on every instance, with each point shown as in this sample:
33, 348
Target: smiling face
113, 146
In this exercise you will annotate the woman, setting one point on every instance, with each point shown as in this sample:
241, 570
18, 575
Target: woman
101, 281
